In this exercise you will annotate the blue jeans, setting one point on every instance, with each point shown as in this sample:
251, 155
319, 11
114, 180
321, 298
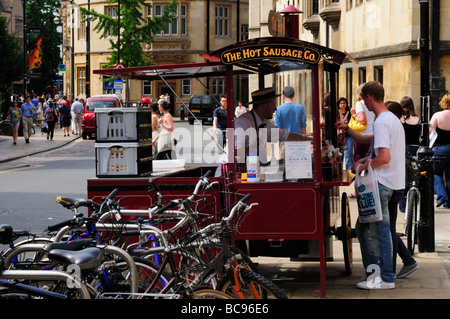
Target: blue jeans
348, 153
376, 241
441, 168
398, 246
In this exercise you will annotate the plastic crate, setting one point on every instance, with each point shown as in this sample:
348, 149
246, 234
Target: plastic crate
123, 159
123, 125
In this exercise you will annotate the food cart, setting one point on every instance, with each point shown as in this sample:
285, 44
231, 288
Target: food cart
299, 207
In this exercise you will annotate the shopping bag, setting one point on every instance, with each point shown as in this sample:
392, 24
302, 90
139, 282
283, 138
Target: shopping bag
165, 141
368, 196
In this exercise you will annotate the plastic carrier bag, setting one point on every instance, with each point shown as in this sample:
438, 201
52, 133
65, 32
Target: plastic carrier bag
368, 196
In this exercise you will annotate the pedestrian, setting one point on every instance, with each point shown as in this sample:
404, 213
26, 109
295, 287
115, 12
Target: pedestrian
388, 162
366, 117
440, 121
65, 118
40, 112
77, 115
156, 126
15, 114
28, 110
166, 121
411, 124
344, 111
240, 109
220, 122
51, 117
290, 115
399, 247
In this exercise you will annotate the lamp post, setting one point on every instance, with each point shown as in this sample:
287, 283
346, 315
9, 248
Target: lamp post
88, 52
426, 184
57, 22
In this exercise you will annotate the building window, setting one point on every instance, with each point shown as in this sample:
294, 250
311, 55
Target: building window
349, 83
178, 24
147, 87
112, 13
186, 87
218, 86
183, 20
18, 26
378, 74
362, 76
82, 31
315, 7
222, 21
244, 32
81, 81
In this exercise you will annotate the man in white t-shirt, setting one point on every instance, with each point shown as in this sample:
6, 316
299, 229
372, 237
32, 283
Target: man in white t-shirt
389, 164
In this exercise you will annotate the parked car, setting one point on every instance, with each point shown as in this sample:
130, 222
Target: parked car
97, 101
202, 107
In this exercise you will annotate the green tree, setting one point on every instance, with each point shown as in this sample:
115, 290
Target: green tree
135, 30
40, 14
11, 61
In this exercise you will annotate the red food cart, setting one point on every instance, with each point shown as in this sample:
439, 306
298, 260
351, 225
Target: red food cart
299, 210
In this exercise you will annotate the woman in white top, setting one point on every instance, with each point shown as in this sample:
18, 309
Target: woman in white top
240, 109
166, 123
362, 114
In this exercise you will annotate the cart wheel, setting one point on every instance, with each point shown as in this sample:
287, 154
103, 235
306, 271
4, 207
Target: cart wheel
346, 234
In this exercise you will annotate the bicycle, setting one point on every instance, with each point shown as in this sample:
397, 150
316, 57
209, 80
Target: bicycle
413, 199
35, 284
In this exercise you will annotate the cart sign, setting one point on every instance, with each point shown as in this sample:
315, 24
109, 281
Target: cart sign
270, 51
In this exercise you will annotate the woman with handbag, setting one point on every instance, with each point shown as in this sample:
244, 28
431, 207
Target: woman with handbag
165, 140
362, 122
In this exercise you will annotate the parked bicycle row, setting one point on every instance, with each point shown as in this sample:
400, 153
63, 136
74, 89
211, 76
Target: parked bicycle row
180, 248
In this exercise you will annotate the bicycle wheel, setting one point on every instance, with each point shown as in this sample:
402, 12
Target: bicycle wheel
412, 207
147, 271
265, 288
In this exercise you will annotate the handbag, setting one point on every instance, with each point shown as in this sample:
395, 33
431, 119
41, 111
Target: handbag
368, 196
357, 126
165, 141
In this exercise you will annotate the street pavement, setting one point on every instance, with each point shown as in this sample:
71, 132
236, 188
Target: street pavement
301, 279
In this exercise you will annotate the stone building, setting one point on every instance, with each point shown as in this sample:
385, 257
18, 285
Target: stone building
200, 26
381, 35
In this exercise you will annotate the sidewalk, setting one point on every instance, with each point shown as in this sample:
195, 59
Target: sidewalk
38, 144
301, 280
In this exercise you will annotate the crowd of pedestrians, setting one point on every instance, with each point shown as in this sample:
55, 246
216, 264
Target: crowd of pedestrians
47, 112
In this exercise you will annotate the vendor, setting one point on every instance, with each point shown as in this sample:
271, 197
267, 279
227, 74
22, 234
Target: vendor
248, 139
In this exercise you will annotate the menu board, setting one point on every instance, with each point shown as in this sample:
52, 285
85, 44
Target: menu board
298, 160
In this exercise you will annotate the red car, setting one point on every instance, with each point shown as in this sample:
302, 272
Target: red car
97, 101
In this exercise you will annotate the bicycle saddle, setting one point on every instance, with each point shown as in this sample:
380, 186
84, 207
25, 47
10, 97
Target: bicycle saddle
87, 258
72, 203
72, 245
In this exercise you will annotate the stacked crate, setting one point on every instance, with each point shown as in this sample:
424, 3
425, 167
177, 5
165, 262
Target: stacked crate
123, 145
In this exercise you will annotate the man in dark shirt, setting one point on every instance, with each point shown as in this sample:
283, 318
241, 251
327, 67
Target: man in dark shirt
220, 121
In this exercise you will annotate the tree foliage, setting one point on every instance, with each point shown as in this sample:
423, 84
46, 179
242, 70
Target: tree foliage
11, 61
135, 29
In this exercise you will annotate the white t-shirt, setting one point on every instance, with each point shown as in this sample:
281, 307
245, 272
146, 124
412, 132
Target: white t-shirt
389, 133
370, 116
